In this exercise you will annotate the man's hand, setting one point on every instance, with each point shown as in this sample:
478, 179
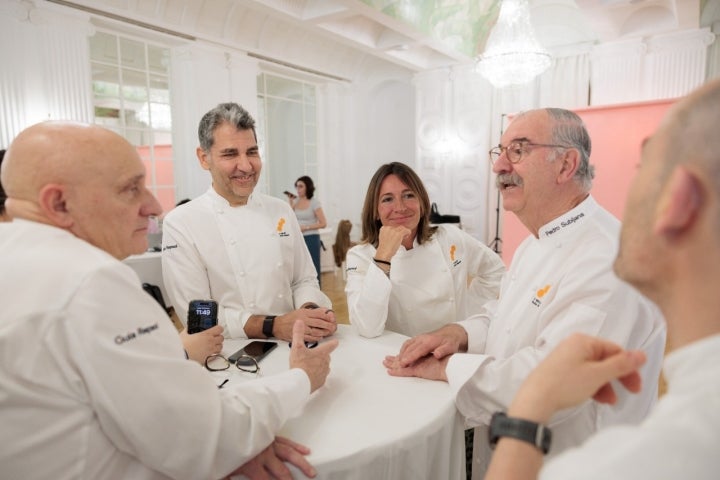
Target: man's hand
427, 367
581, 367
442, 342
201, 345
270, 463
318, 324
315, 362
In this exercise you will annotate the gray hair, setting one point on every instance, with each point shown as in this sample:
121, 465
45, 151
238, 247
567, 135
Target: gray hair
231, 113
569, 129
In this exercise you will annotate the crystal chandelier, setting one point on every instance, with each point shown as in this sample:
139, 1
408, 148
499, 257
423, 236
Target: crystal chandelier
513, 56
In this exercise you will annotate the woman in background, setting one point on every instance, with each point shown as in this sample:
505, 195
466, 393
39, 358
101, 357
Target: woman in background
310, 216
406, 275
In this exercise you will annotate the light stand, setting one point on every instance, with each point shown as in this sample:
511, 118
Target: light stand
496, 244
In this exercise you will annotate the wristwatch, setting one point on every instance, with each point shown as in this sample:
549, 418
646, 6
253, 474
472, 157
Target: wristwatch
533, 433
268, 325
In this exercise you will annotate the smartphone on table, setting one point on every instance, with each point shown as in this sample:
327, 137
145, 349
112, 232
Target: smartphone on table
202, 314
255, 349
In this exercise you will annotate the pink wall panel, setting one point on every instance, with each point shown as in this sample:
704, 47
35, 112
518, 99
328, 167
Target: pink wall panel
617, 133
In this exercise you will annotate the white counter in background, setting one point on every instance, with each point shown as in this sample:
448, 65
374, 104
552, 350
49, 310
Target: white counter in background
148, 267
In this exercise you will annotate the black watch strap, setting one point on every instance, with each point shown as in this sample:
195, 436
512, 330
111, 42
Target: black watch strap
534, 433
268, 324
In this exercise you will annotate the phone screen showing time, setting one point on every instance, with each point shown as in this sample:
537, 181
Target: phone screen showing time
202, 314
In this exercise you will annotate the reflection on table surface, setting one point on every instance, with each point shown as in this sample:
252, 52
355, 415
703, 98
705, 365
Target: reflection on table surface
365, 424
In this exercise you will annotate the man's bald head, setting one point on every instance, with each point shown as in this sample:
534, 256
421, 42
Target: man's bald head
84, 179
40, 155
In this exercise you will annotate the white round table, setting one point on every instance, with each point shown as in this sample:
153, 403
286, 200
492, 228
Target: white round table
364, 424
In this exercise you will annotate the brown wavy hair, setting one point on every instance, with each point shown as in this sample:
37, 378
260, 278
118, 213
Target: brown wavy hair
342, 242
371, 223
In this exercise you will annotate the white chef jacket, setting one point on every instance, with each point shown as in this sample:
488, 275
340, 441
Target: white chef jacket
251, 259
94, 383
557, 284
445, 279
679, 439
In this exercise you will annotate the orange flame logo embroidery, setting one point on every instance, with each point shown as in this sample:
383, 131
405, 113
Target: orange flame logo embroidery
541, 293
452, 252
281, 224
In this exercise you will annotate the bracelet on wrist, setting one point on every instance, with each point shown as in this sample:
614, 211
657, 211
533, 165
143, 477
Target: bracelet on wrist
384, 262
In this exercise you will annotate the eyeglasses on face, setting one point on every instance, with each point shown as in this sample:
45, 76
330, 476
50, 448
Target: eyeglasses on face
514, 151
246, 363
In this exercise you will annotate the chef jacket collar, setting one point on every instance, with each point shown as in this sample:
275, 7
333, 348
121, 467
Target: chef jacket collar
566, 223
220, 204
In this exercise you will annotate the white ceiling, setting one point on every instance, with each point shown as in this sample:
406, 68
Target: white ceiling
345, 38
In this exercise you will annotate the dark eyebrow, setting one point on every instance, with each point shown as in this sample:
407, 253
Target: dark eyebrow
229, 151
521, 139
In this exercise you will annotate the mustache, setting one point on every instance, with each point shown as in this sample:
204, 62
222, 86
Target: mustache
505, 179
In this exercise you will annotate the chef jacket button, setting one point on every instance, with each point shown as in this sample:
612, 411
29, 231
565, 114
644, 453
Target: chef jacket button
280, 295
242, 274
279, 265
252, 304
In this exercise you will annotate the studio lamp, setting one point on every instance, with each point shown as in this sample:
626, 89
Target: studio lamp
513, 56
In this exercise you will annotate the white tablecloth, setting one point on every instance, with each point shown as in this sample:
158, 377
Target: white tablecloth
366, 425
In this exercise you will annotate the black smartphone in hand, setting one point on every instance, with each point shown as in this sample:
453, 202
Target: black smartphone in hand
255, 349
202, 314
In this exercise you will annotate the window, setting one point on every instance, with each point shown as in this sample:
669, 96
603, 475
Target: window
131, 96
287, 131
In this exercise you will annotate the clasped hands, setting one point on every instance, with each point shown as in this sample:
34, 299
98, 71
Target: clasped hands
426, 355
319, 323
579, 368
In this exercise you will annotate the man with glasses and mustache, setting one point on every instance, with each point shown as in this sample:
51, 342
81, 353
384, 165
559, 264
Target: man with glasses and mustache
560, 282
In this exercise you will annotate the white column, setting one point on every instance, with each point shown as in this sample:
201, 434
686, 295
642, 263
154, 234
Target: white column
46, 72
616, 72
676, 63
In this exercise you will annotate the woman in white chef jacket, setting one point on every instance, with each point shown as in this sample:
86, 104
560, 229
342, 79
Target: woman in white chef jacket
406, 275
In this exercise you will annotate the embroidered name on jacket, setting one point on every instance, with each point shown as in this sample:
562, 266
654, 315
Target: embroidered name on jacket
539, 294
120, 339
563, 224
